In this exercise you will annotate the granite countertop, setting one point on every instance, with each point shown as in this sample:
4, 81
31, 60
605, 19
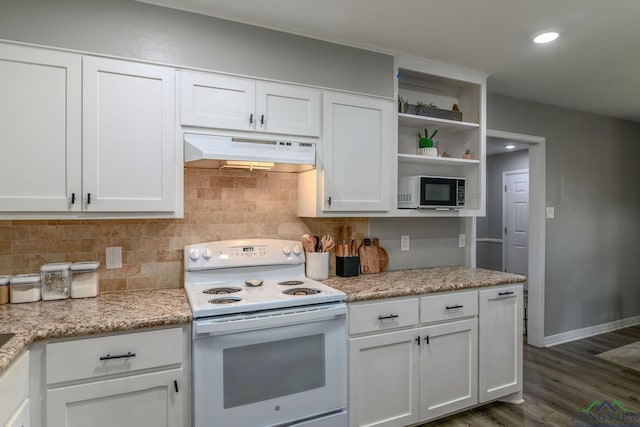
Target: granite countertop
401, 283
108, 312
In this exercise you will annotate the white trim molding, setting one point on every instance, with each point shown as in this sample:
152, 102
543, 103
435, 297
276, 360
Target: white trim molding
590, 331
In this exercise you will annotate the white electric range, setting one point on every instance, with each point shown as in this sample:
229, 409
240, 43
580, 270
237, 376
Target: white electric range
269, 344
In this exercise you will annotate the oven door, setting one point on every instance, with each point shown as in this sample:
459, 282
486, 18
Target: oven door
267, 370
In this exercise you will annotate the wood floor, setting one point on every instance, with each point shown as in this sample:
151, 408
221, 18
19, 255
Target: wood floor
559, 381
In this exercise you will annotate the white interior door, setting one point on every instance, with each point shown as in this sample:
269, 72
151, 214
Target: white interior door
516, 221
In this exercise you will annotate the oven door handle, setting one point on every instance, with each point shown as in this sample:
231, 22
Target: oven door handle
243, 323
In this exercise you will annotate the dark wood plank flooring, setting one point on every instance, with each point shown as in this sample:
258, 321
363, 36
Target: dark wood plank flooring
559, 381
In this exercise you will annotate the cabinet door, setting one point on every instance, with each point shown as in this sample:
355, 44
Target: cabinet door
129, 159
357, 141
214, 101
20, 418
384, 379
40, 129
288, 110
149, 400
448, 368
500, 365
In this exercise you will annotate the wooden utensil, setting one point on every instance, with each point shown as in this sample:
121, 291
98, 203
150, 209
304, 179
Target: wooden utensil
327, 243
308, 243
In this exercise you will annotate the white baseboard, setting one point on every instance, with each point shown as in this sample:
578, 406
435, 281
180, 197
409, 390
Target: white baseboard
590, 331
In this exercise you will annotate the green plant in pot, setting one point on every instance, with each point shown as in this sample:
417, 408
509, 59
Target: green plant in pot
427, 141
425, 145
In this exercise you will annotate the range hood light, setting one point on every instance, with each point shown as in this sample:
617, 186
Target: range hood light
240, 164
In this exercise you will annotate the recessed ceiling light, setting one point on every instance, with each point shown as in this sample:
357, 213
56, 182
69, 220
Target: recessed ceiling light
545, 36
510, 147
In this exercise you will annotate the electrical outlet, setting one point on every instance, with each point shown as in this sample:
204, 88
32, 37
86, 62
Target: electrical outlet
114, 257
405, 242
462, 240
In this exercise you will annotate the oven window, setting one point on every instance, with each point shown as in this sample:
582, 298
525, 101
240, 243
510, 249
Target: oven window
258, 372
437, 192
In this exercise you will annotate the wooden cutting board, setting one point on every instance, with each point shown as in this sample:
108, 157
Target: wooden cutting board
373, 258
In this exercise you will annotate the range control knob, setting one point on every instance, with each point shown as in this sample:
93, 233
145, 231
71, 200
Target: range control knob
195, 254
286, 250
206, 254
296, 250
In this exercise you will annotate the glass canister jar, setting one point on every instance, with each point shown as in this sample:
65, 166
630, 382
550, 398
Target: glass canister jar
25, 288
56, 280
4, 289
84, 280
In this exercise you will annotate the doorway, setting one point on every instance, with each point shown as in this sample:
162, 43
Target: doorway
491, 245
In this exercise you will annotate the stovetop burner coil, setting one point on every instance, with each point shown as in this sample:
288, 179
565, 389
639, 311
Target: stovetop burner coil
221, 291
291, 283
301, 291
225, 300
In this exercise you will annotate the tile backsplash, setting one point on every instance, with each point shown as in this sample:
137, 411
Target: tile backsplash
218, 205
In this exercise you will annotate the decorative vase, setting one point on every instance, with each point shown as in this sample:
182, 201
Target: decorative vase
428, 151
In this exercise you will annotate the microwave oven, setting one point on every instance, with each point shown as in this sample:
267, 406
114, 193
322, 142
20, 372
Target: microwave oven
431, 192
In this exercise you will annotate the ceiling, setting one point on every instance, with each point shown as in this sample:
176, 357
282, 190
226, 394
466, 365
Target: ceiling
591, 67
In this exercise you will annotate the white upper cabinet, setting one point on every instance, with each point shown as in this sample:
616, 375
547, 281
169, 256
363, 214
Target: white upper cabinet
213, 101
287, 109
86, 137
40, 130
222, 102
354, 175
128, 134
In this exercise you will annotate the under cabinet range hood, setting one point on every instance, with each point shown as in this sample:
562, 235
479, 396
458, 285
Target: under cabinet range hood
216, 151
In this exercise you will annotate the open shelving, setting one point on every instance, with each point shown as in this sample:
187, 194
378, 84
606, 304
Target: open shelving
443, 85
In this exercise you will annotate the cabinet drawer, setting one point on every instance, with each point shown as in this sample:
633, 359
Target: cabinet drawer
380, 316
14, 387
94, 357
434, 308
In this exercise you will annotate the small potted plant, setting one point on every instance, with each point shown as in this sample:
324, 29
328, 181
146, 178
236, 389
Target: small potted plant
467, 154
425, 145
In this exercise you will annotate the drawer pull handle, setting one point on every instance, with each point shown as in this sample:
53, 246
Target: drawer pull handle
391, 316
117, 356
505, 293
175, 385
418, 341
453, 307
426, 339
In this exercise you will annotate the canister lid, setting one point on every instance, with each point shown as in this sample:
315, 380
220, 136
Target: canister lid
4, 280
55, 266
25, 279
85, 266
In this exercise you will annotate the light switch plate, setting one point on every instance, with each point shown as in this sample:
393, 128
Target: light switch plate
551, 212
462, 240
405, 242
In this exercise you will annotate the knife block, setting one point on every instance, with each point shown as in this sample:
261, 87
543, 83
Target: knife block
347, 266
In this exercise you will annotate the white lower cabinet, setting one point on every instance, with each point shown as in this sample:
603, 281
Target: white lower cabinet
448, 368
148, 400
384, 379
467, 349
500, 345
129, 380
14, 394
